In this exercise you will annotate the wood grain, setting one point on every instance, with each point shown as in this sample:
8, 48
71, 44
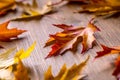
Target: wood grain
39, 30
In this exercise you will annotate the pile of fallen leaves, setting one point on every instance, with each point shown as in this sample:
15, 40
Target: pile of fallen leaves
60, 42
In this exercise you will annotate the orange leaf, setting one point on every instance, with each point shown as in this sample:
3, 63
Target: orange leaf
117, 69
69, 38
21, 72
6, 5
6, 34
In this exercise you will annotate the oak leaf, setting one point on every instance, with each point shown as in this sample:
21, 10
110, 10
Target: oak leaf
114, 50
6, 34
107, 50
32, 11
6, 5
72, 73
70, 37
99, 7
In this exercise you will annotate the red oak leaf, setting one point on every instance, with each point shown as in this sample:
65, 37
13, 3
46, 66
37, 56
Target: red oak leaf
69, 38
106, 50
114, 50
117, 70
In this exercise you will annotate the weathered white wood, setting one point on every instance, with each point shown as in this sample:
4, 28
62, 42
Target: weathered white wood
39, 30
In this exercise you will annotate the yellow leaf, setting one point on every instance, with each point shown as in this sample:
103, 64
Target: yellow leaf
114, 2
6, 5
66, 74
32, 11
24, 54
102, 7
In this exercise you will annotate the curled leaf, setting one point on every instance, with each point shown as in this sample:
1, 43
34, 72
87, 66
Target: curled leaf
70, 37
67, 74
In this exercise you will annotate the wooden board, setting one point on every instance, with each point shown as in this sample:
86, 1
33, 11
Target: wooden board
39, 30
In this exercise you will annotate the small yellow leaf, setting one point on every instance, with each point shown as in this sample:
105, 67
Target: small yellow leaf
24, 54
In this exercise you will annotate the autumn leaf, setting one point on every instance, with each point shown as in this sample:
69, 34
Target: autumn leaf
7, 34
106, 50
5, 61
14, 65
6, 5
22, 54
114, 50
67, 74
31, 11
99, 7
21, 72
70, 37
117, 69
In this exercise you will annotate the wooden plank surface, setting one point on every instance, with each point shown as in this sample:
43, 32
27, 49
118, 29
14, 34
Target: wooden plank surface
39, 30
